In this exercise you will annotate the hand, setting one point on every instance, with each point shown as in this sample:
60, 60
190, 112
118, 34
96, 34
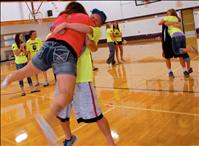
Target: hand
60, 28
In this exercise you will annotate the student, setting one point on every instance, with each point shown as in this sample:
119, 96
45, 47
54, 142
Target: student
168, 52
60, 52
21, 60
110, 41
85, 101
118, 41
33, 45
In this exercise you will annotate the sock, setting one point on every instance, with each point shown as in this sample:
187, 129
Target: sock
4, 83
169, 70
184, 69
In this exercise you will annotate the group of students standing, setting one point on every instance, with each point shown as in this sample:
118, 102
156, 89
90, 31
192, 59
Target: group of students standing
25, 51
115, 43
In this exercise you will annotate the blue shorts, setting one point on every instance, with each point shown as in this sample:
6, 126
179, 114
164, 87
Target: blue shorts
178, 44
56, 55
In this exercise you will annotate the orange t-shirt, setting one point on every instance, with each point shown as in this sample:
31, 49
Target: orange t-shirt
74, 38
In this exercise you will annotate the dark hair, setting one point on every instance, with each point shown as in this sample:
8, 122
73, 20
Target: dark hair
17, 40
31, 32
173, 13
108, 25
101, 14
116, 27
74, 7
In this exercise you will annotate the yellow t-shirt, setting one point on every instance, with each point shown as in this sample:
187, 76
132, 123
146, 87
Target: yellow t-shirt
33, 46
172, 29
109, 31
116, 33
84, 63
21, 58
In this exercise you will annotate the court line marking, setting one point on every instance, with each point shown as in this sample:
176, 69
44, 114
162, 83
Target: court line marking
152, 110
78, 128
144, 89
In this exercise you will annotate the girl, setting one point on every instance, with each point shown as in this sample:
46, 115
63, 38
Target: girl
118, 41
60, 52
110, 40
21, 60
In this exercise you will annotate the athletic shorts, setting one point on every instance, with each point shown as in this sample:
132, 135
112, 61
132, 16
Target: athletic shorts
85, 104
178, 43
56, 55
118, 43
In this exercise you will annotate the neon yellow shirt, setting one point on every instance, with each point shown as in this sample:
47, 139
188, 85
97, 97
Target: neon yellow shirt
116, 33
84, 63
33, 46
172, 29
21, 58
109, 31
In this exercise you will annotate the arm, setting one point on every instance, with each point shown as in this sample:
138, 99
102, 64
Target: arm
175, 24
91, 44
17, 51
161, 22
75, 26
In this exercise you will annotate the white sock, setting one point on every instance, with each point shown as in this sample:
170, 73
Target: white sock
169, 70
4, 83
184, 69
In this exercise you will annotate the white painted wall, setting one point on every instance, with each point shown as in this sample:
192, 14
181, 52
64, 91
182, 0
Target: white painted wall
114, 9
196, 18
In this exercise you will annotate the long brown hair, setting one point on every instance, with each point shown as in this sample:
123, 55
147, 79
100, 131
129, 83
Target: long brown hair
17, 40
173, 13
74, 7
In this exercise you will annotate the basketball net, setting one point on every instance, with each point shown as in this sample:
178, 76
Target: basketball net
36, 17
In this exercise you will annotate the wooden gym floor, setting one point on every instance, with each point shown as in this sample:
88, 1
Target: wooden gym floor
142, 105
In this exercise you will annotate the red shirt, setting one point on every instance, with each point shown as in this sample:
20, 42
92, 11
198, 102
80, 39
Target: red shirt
74, 38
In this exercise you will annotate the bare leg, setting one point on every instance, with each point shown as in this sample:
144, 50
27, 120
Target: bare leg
46, 79
188, 62
20, 74
117, 54
121, 52
105, 129
182, 62
66, 128
37, 79
168, 63
191, 49
66, 85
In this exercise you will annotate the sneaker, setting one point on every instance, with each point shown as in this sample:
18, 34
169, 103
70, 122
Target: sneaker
186, 74
46, 84
23, 94
4, 83
190, 70
171, 75
95, 68
71, 141
34, 91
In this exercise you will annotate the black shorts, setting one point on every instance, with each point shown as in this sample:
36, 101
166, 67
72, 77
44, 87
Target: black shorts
118, 43
169, 53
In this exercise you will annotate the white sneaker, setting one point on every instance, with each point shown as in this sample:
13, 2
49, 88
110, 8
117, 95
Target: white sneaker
4, 83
